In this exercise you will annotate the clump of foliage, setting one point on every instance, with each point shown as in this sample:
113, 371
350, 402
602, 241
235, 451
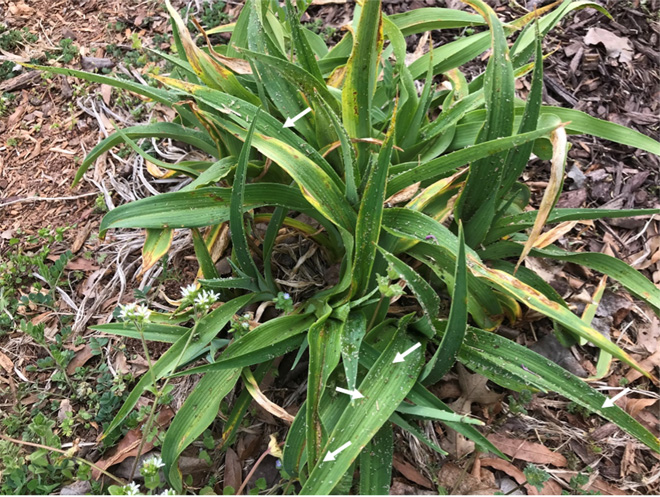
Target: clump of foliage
414, 194
11, 39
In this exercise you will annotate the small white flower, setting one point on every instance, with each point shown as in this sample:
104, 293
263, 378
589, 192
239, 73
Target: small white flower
206, 299
156, 462
142, 313
188, 291
245, 325
247, 315
127, 311
168, 491
132, 489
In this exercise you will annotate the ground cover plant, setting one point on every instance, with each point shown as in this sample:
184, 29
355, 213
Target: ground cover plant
414, 193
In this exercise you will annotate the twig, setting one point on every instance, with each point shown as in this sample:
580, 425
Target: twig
48, 199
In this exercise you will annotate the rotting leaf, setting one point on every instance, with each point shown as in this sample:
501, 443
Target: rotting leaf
129, 445
616, 46
527, 451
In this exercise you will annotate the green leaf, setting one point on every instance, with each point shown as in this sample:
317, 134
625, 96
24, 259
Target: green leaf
439, 414
198, 139
376, 463
446, 163
360, 78
476, 204
518, 157
445, 356
236, 225
370, 216
324, 352
352, 333
519, 222
198, 411
634, 281
203, 256
427, 19
364, 417
317, 187
496, 357
202, 207
265, 342
152, 331
303, 49
426, 297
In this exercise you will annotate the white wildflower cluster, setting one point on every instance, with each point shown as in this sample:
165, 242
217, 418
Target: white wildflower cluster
151, 466
188, 293
205, 299
131, 489
134, 312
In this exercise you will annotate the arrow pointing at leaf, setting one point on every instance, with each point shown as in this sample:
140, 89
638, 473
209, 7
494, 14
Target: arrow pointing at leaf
355, 394
331, 456
402, 357
609, 402
291, 121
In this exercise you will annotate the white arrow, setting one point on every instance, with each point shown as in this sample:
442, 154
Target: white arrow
609, 402
402, 357
291, 121
331, 456
353, 393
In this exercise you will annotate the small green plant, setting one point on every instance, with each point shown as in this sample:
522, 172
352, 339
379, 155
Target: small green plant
11, 39
413, 196
67, 51
317, 27
536, 476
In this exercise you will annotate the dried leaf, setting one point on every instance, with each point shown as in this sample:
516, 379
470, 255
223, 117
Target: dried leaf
79, 360
410, 472
549, 488
259, 397
527, 451
129, 445
648, 364
233, 471
404, 195
6, 363
616, 46
634, 406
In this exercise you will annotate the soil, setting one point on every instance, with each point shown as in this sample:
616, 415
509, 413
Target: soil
51, 124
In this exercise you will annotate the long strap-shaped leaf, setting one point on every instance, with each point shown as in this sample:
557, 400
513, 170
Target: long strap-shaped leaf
476, 203
236, 224
635, 282
445, 356
496, 357
370, 216
203, 207
385, 386
519, 222
195, 415
316, 186
437, 167
518, 157
324, 339
360, 79
265, 342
